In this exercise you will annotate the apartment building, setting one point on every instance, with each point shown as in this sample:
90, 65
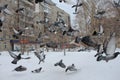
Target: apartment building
34, 19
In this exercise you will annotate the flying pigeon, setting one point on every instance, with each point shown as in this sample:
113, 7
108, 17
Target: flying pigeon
17, 33
101, 31
3, 7
76, 6
19, 10
110, 50
37, 1
20, 68
100, 12
60, 63
117, 4
37, 70
100, 50
5, 10
89, 42
70, 31
62, 1
40, 55
71, 68
1, 23
16, 57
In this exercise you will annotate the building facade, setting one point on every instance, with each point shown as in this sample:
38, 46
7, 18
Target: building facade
33, 20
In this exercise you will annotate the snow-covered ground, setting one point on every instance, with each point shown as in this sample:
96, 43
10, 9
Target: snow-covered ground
85, 62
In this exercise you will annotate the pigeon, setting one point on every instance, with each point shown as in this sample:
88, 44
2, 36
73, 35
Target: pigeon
69, 32
62, 1
37, 1
37, 70
117, 4
77, 39
110, 50
19, 10
100, 12
20, 68
17, 33
76, 6
3, 7
89, 42
101, 31
100, 50
60, 63
5, 10
1, 23
71, 68
40, 55
16, 57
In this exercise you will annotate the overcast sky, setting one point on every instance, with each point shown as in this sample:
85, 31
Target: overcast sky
66, 7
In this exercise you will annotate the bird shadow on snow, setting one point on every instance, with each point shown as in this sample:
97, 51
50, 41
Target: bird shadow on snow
18, 74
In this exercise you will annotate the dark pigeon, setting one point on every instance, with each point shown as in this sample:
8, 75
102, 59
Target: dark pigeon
117, 4
20, 68
19, 10
37, 70
37, 1
76, 6
60, 63
88, 41
62, 1
16, 57
71, 68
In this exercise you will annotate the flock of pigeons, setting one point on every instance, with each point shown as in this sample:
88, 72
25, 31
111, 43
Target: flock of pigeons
105, 51
41, 56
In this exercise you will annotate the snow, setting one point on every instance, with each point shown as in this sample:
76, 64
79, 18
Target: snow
85, 62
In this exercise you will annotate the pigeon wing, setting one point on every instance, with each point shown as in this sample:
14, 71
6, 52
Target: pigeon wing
37, 55
15, 31
12, 54
111, 46
101, 29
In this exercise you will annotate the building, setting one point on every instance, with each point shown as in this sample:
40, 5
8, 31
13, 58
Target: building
22, 20
33, 20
